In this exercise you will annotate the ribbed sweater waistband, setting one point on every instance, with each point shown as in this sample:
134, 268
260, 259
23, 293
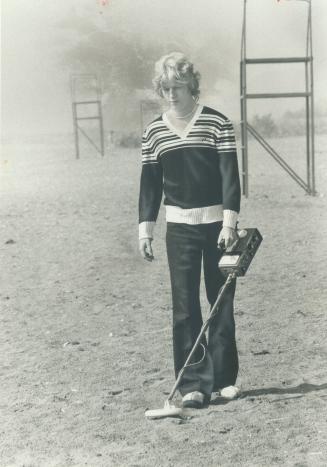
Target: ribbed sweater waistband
204, 215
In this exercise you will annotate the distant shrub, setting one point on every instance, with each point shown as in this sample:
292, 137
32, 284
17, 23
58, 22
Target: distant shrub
265, 125
129, 140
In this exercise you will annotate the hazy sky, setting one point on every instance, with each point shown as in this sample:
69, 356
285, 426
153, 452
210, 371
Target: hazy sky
35, 85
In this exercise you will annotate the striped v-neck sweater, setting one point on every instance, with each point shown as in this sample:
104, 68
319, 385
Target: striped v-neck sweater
195, 168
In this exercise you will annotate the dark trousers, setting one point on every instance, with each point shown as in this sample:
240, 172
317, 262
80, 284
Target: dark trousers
215, 364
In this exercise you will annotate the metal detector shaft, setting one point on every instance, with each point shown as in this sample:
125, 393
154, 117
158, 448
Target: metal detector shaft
205, 325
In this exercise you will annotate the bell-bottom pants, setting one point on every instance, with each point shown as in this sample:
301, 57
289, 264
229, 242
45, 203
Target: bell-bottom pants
215, 364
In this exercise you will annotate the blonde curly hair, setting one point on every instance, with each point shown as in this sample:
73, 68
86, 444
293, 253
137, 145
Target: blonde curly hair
176, 65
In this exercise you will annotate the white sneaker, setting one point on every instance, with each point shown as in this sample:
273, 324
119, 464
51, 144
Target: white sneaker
193, 400
230, 392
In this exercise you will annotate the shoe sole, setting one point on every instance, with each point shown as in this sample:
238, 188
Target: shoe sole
192, 405
230, 398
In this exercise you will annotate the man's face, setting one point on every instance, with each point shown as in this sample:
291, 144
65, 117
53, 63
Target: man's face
176, 93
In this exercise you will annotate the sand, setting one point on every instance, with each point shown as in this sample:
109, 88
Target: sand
85, 334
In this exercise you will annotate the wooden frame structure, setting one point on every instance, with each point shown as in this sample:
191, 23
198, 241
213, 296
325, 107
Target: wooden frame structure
307, 60
91, 83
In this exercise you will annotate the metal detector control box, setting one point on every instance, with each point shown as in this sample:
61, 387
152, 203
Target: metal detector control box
238, 257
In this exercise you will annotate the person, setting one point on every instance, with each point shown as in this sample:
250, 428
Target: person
189, 154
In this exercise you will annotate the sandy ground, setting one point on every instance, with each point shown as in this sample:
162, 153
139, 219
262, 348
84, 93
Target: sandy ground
85, 334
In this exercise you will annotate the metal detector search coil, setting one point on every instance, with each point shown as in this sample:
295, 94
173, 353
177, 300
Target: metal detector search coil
239, 256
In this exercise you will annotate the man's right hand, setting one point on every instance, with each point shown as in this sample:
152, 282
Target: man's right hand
146, 248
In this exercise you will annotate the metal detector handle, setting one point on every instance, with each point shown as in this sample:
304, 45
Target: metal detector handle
223, 249
205, 325
222, 246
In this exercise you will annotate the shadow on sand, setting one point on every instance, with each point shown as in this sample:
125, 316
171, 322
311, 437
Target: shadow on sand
301, 389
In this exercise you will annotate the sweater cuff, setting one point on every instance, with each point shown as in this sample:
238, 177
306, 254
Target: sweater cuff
230, 218
146, 229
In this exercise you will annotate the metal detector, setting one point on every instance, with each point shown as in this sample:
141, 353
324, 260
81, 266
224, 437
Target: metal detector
234, 262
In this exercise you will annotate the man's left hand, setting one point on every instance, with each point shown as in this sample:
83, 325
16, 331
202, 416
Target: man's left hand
227, 237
